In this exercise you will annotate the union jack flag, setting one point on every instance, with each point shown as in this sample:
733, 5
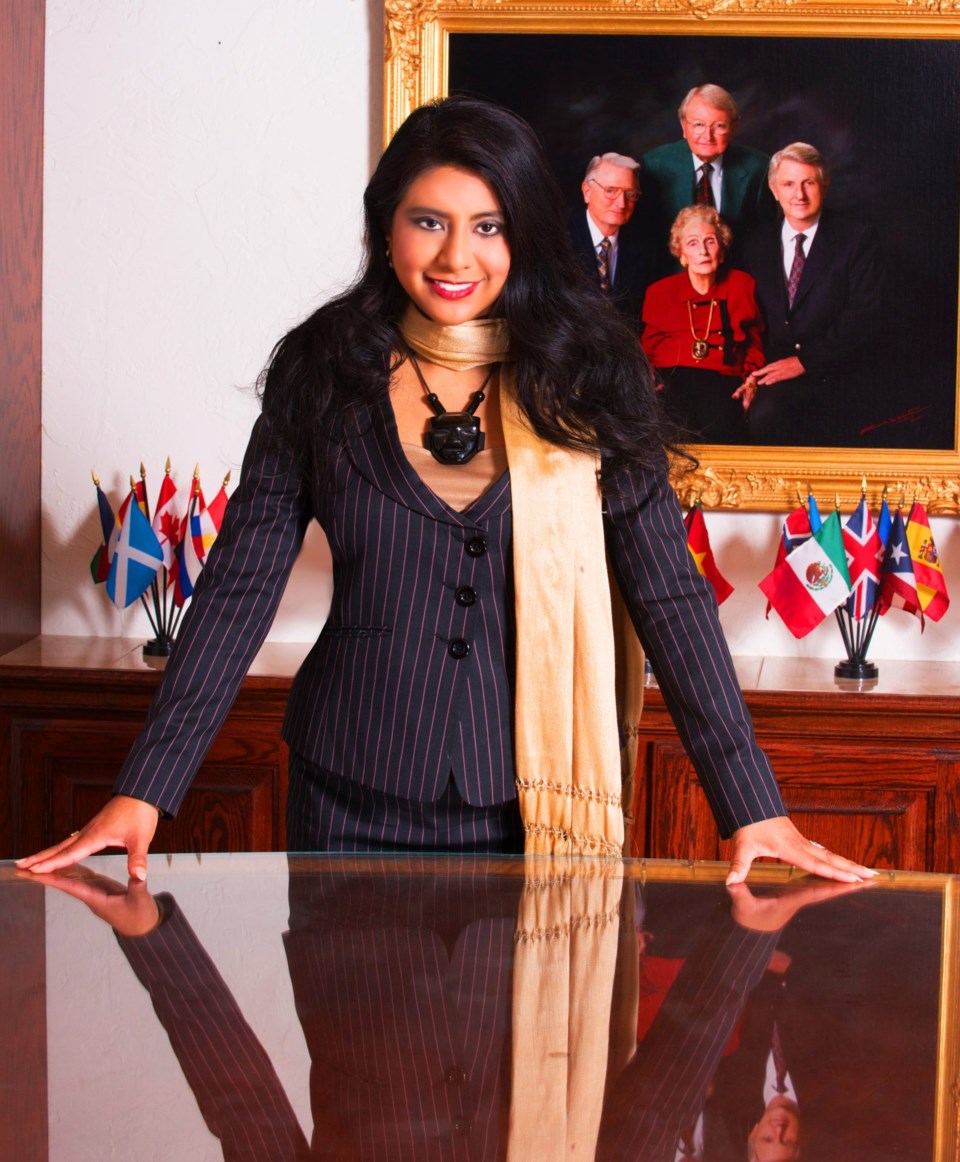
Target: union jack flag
864, 549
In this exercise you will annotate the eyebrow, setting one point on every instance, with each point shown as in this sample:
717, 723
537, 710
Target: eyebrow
443, 214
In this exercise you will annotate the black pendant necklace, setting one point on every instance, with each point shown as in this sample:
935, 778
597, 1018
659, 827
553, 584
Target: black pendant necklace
454, 437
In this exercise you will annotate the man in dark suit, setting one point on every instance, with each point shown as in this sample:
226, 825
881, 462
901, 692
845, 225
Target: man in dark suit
819, 287
618, 259
706, 167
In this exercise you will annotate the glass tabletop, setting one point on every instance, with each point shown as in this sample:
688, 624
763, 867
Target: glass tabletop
263, 1006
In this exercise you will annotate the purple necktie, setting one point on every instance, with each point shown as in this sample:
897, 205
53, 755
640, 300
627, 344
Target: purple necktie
796, 269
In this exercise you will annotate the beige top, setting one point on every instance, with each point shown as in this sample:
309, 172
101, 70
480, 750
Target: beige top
458, 485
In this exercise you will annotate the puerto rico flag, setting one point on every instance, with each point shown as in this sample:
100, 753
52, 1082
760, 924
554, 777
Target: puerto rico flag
898, 586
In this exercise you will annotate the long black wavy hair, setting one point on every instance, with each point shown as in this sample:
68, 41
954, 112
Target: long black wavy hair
582, 380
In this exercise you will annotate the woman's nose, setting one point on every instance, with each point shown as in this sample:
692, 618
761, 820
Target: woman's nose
456, 250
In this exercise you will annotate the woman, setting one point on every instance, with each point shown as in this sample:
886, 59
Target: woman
702, 331
460, 696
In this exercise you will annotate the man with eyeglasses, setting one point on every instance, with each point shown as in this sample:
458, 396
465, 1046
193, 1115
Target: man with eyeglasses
708, 167
617, 259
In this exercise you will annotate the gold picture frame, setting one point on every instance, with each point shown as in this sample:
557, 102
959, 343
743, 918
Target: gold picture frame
748, 479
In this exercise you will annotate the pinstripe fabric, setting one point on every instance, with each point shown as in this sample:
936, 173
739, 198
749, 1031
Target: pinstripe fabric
404, 988
664, 1088
383, 699
674, 612
236, 1087
326, 813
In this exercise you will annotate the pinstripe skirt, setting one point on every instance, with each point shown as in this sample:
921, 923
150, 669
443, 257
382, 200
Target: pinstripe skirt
329, 813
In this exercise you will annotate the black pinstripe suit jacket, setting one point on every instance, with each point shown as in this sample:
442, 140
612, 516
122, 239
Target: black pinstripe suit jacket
411, 677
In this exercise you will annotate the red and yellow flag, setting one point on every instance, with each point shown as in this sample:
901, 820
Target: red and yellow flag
931, 583
699, 545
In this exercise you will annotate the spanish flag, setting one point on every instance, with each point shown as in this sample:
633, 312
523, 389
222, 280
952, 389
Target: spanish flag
931, 584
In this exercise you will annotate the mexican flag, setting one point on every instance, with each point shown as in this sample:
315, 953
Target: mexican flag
812, 581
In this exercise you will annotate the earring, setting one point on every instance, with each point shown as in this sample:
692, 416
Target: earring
389, 259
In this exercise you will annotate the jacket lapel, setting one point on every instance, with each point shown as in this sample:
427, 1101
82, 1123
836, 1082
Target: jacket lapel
373, 447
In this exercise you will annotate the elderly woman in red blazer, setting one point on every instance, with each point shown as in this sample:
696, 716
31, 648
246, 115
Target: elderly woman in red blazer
702, 331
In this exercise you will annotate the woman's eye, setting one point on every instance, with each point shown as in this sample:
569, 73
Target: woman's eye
489, 229
429, 223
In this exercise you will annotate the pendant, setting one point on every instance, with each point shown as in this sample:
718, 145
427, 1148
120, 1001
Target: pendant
701, 349
454, 437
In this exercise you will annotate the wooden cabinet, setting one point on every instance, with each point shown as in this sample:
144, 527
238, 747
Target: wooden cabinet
69, 711
874, 774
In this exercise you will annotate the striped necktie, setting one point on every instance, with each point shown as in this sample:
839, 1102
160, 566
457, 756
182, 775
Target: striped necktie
796, 268
603, 264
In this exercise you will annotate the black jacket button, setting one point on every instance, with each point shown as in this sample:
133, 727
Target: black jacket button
459, 648
466, 596
476, 546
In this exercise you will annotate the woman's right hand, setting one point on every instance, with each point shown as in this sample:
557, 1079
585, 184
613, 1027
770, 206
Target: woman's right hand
124, 822
128, 908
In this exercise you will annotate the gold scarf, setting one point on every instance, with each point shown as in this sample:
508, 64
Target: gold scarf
567, 743
459, 348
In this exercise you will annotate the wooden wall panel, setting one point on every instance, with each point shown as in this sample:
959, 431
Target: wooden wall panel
21, 219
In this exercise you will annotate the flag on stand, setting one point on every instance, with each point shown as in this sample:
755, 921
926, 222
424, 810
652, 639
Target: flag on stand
931, 584
217, 506
136, 559
110, 528
898, 587
884, 522
811, 581
698, 542
796, 530
189, 559
864, 550
167, 520
816, 520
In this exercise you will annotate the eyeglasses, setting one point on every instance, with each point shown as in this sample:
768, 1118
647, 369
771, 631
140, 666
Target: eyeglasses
702, 128
611, 193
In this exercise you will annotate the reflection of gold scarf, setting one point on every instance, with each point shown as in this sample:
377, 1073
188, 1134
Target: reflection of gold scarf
563, 976
566, 738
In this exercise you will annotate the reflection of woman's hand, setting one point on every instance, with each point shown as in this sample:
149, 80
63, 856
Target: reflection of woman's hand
129, 910
124, 822
745, 393
771, 913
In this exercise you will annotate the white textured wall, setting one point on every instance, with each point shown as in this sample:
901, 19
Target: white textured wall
204, 166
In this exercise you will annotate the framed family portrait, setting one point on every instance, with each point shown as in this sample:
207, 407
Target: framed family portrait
874, 87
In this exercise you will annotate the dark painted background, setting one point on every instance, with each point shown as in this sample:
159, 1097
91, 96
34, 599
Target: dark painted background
885, 113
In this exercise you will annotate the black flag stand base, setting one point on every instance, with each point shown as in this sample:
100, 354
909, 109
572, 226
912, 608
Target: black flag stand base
857, 671
160, 647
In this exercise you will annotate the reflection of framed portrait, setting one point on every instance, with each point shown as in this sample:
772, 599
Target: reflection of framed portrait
864, 991
873, 89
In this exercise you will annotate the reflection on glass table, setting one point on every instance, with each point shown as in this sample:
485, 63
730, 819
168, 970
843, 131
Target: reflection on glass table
263, 1007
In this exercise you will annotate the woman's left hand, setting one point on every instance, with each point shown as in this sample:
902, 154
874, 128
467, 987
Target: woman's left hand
745, 392
779, 839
